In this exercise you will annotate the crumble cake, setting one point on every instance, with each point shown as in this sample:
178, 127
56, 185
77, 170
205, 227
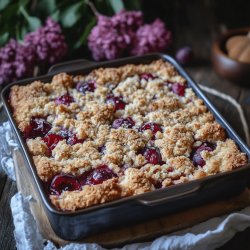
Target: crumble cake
119, 132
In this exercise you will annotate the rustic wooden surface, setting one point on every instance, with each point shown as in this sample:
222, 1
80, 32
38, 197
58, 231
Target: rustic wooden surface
193, 22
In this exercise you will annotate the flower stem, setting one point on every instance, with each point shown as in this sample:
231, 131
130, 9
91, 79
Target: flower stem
93, 8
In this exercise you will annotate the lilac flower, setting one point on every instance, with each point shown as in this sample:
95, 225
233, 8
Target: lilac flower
48, 42
105, 41
128, 21
6, 73
46, 45
16, 61
151, 38
111, 37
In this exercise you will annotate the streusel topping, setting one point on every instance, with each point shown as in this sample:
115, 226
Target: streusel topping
118, 132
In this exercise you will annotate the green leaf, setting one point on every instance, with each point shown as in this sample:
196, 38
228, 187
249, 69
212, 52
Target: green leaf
71, 15
83, 38
18, 33
23, 3
23, 31
33, 22
4, 38
56, 16
117, 5
47, 6
132, 4
4, 3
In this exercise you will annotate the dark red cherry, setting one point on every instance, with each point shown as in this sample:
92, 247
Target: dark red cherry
152, 155
123, 122
83, 179
196, 153
51, 140
158, 185
38, 127
64, 182
178, 89
170, 169
97, 175
147, 76
101, 174
27, 133
64, 99
154, 127
116, 101
85, 86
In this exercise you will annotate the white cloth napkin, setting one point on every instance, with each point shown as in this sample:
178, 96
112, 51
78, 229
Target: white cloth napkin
206, 236
7, 145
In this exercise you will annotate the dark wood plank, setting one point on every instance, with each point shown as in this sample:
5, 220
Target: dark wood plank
244, 99
2, 182
240, 241
7, 240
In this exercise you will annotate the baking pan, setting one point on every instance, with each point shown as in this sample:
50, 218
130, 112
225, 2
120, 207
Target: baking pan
84, 222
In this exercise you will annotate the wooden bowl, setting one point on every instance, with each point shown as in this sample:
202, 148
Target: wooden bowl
227, 67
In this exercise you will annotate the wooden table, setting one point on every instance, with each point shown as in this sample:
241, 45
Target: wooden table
188, 28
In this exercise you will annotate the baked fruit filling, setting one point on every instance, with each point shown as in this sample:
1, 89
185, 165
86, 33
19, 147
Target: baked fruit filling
119, 132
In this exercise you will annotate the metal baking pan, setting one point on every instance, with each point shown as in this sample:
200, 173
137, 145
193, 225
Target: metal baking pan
84, 222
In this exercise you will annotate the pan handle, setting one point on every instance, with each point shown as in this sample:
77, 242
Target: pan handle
157, 201
69, 66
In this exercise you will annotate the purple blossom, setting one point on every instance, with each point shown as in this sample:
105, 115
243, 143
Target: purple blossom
48, 42
16, 61
105, 41
112, 36
123, 33
149, 38
46, 45
6, 73
128, 21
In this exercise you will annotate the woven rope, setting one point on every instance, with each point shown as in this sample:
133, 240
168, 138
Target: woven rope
235, 104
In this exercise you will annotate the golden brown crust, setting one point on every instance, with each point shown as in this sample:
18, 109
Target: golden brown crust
185, 121
132, 183
176, 141
46, 168
37, 147
88, 196
224, 158
210, 132
22, 93
135, 182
